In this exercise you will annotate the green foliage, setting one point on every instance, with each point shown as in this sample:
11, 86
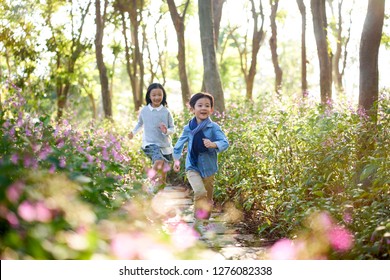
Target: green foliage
74, 192
284, 164
65, 187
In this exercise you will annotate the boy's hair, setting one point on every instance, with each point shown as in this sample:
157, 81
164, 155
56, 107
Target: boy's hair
200, 95
152, 87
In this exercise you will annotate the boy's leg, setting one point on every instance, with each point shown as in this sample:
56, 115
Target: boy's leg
201, 202
209, 185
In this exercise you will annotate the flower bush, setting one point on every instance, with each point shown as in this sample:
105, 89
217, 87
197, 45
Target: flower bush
288, 161
294, 172
69, 191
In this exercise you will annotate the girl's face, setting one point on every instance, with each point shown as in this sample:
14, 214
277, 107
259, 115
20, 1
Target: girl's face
202, 109
156, 96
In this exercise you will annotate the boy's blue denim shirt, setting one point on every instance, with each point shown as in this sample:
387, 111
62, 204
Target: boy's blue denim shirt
207, 161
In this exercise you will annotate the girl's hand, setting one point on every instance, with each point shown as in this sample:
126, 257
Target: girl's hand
130, 135
209, 144
176, 166
163, 128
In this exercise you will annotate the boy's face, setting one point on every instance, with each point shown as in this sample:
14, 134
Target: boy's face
156, 96
202, 109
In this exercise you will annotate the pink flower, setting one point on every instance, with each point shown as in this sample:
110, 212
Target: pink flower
347, 217
184, 236
105, 154
201, 214
340, 239
52, 169
28, 161
27, 211
62, 162
14, 191
14, 159
283, 249
151, 173
12, 219
89, 158
125, 246
42, 213
34, 212
60, 144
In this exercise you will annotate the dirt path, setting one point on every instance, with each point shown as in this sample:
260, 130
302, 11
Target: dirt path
223, 238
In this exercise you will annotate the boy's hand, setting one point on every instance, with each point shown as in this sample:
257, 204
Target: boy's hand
130, 135
176, 166
163, 128
209, 144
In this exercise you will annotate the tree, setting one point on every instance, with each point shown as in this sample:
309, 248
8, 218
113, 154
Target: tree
211, 77
100, 24
217, 13
368, 54
274, 46
178, 22
67, 51
249, 67
131, 11
18, 43
324, 54
340, 54
257, 39
302, 10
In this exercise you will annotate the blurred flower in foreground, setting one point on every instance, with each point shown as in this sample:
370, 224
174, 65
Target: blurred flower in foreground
138, 246
320, 237
283, 249
184, 236
340, 239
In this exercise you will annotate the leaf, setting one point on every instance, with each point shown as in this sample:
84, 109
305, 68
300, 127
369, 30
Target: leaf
319, 193
367, 171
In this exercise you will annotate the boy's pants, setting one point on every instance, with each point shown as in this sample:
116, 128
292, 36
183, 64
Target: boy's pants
203, 194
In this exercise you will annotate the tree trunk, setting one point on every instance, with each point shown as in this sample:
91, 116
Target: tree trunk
178, 22
368, 85
100, 24
302, 9
274, 47
135, 13
134, 60
337, 77
368, 54
324, 56
211, 77
217, 13
76, 49
257, 39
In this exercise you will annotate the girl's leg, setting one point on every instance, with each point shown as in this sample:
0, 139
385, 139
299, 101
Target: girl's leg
158, 166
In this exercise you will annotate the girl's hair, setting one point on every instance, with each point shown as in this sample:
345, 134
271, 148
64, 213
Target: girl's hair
200, 95
152, 87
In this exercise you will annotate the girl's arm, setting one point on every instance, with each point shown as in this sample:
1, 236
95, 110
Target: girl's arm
137, 127
170, 129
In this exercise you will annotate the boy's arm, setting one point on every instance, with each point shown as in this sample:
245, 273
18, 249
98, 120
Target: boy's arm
221, 142
178, 149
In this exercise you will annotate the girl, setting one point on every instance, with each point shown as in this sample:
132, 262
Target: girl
205, 139
158, 126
